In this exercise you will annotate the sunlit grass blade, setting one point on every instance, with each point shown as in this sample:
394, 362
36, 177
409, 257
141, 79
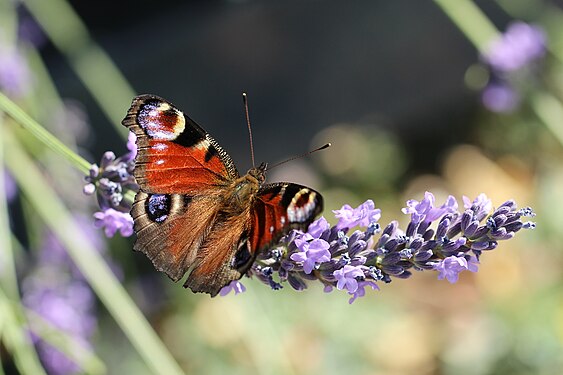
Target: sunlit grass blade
470, 20
18, 114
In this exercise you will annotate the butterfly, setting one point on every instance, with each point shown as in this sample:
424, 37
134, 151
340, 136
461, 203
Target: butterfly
194, 213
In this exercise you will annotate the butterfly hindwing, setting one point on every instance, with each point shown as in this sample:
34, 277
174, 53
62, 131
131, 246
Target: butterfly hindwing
234, 241
174, 154
225, 255
167, 232
280, 207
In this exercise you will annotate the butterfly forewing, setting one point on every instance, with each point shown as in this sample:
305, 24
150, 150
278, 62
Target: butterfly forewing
174, 154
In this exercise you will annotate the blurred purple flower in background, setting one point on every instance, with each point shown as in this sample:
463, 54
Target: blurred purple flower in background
15, 76
520, 45
55, 290
10, 187
28, 29
68, 304
500, 97
508, 58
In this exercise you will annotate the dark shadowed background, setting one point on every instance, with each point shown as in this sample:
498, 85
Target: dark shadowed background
305, 64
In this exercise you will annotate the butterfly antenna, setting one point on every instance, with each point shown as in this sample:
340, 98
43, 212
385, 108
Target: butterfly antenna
300, 156
245, 101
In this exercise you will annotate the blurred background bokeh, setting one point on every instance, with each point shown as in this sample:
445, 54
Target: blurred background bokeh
400, 90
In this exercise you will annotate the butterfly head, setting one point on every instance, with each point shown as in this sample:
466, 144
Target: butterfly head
259, 173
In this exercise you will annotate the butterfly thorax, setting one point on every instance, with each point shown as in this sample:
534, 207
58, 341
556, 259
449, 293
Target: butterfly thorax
245, 189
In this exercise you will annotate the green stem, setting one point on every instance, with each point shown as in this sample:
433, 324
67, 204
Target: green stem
471, 21
52, 211
92, 64
18, 114
8, 279
550, 111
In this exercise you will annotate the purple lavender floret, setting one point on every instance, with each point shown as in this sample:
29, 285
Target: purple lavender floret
235, 286
110, 180
113, 221
312, 253
363, 215
440, 238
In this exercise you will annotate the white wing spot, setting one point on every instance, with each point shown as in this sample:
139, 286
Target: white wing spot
160, 146
299, 214
204, 145
155, 128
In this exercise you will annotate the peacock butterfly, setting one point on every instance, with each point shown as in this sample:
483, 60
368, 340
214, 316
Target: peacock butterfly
194, 212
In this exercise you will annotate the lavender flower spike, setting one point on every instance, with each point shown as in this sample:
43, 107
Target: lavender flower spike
441, 239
